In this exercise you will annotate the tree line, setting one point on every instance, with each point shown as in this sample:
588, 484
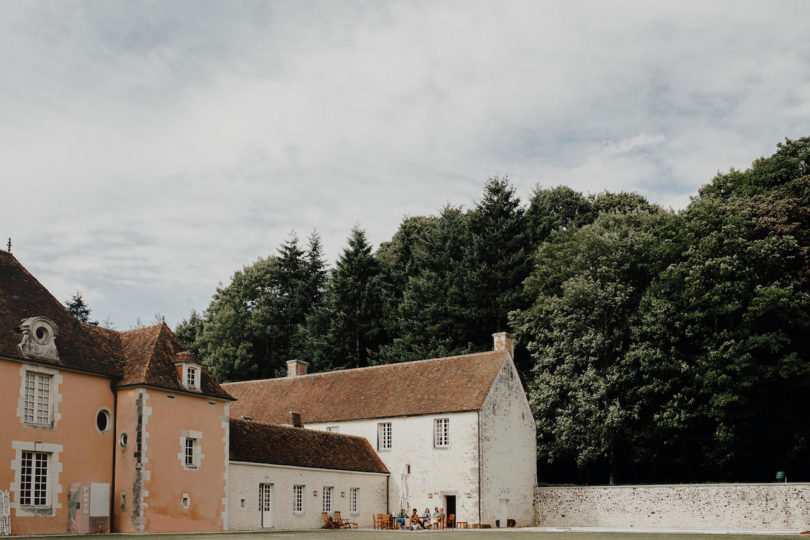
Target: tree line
655, 346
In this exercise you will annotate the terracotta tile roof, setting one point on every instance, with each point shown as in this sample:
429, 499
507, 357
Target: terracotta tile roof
150, 357
143, 356
452, 384
255, 442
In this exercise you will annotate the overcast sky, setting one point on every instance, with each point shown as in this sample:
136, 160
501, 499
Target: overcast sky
149, 149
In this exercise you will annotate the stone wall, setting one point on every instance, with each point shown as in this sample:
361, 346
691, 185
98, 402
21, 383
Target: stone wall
696, 506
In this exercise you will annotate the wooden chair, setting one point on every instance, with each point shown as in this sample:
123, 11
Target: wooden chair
451, 521
381, 521
343, 523
327, 522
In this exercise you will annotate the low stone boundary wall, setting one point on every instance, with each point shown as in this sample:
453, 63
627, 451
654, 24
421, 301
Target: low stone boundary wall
685, 506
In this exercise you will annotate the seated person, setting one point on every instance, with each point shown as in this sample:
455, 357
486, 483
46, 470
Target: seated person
442, 517
401, 519
416, 523
426, 518
435, 518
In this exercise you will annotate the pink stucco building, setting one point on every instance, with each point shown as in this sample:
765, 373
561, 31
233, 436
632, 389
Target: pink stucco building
104, 430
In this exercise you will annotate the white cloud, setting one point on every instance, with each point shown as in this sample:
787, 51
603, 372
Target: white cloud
151, 148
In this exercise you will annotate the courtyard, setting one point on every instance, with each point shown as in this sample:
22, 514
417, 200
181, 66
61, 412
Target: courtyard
490, 534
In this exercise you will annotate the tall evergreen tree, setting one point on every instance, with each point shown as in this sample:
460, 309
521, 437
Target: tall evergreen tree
498, 260
354, 306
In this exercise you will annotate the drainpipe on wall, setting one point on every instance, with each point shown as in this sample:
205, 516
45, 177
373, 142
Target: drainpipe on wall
387, 494
480, 490
114, 445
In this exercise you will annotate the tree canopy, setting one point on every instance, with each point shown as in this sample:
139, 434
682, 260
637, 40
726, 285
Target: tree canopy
654, 345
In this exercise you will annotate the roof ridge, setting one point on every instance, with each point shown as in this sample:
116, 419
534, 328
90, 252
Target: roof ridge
148, 362
323, 373
284, 426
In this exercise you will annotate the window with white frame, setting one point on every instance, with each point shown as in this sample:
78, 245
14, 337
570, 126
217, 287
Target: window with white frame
298, 499
190, 453
34, 479
384, 436
37, 398
441, 432
354, 500
191, 377
327, 498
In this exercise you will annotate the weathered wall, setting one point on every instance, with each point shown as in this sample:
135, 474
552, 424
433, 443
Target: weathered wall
244, 495
154, 488
435, 472
78, 451
707, 506
508, 452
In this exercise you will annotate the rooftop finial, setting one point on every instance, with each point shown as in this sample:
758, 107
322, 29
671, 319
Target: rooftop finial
9, 244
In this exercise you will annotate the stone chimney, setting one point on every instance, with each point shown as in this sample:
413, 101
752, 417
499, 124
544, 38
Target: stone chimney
295, 419
296, 368
503, 342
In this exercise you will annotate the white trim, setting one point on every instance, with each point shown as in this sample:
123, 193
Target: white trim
109, 420
197, 455
54, 397
54, 469
306, 468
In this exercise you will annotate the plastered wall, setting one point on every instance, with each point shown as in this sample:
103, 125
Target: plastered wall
508, 450
435, 472
708, 506
243, 499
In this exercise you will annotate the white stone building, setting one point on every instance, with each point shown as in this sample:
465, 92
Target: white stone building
454, 432
285, 477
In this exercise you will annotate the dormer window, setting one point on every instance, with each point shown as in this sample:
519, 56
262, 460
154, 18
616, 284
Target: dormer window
191, 378
39, 337
191, 375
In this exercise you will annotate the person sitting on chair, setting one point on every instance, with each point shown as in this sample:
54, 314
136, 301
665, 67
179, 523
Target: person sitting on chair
435, 518
426, 518
401, 519
416, 523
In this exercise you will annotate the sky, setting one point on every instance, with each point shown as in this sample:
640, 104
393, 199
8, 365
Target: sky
151, 149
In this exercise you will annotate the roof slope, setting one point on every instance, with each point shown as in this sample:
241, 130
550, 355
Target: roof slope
143, 356
255, 442
452, 384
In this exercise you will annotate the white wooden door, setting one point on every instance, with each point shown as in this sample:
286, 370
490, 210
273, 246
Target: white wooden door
266, 504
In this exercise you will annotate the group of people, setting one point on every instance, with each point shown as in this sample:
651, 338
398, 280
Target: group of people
428, 520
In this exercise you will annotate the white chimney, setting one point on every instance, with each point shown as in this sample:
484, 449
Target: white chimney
503, 342
296, 368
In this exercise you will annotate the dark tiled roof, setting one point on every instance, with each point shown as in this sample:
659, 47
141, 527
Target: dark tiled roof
456, 383
81, 346
255, 442
143, 356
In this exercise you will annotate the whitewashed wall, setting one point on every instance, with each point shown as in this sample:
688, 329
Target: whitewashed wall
703, 506
435, 472
243, 496
508, 452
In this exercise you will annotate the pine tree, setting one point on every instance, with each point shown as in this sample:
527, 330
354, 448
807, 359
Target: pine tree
354, 305
79, 309
498, 261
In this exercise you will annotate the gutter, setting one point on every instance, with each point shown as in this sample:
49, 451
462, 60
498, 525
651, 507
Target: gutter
115, 447
480, 490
